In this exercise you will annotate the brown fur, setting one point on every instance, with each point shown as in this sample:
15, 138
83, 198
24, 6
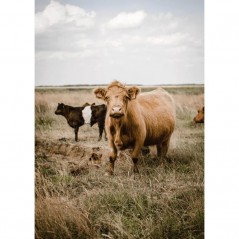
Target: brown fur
199, 118
135, 120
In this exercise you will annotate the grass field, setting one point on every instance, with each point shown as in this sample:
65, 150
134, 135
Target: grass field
75, 200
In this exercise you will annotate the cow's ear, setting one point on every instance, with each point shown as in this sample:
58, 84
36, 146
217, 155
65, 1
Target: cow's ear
100, 93
92, 104
133, 92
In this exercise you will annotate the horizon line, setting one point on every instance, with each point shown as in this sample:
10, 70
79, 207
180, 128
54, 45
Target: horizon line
149, 85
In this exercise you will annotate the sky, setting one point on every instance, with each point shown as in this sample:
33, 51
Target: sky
137, 42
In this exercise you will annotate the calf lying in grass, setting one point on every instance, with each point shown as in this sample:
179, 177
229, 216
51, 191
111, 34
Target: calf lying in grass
199, 118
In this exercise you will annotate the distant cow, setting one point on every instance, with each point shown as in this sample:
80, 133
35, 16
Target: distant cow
75, 116
135, 120
98, 113
199, 118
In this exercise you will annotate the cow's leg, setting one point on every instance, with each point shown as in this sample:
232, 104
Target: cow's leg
162, 149
76, 133
159, 149
145, 150
100, 130
105, 135
112, 158
135, 168
135, 155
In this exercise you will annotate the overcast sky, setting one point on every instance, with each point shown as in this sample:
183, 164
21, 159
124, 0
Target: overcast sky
136, 41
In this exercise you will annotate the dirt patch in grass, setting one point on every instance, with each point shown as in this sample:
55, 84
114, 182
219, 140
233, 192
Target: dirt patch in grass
75, 159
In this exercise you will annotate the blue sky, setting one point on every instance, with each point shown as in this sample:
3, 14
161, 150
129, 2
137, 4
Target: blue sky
136, 42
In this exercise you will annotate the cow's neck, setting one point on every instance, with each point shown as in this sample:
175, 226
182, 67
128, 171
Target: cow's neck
118, 122
118, 125
66, 111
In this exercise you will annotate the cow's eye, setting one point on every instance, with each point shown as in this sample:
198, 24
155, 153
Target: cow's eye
107, 98
125, 98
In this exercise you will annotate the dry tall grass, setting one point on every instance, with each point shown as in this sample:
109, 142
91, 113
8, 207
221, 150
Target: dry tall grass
75, 200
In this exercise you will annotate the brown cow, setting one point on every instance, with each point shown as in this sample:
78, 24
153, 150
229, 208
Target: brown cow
135, 120
199, 118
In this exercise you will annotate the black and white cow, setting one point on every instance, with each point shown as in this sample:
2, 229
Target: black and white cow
98, 113
78, 116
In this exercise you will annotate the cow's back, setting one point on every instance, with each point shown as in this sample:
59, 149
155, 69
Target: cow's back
157, 110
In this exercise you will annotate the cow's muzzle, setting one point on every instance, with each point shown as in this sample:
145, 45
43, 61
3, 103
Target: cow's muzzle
57, 112
116, 112
116, 115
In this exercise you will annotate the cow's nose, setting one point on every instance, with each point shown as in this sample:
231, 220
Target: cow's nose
116, 109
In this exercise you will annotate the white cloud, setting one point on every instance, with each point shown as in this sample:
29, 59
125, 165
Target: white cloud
41, 23
163, 23
63, 55
170, 39
57, 14
166, 15
130, 45
127, 20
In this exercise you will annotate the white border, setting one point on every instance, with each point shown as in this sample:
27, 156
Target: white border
222, 118
17, 119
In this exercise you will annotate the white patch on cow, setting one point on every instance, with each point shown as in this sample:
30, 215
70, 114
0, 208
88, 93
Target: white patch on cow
86, 112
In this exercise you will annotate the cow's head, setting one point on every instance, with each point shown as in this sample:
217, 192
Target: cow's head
86, 104
117, 96
199, 118
60, 109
